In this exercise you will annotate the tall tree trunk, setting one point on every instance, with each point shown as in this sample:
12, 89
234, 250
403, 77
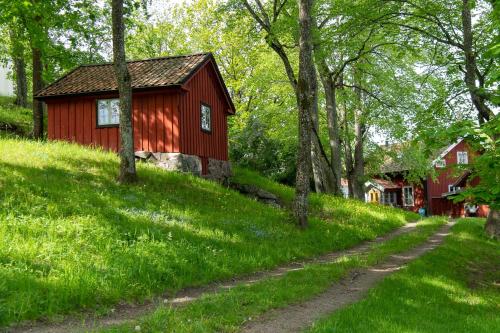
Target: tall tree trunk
333, 128
19, 69
348, 160
323, 177
359, 162
484, 112
492, 226
359, 134
324, 180
37, 85
127, 156
21, 82
305, 100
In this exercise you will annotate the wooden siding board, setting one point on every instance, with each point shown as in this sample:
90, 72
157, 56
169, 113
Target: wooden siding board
160, 133
79, 121
71, 121
167, 112
50, 122
144, 124
135, 123
57, 121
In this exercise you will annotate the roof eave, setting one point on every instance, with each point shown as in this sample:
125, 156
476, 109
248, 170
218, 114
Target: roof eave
114, 91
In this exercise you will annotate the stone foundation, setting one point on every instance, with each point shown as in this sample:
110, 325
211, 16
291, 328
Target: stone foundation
217, 170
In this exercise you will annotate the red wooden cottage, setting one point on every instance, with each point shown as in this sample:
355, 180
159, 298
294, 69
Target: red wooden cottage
433, 194
180, 105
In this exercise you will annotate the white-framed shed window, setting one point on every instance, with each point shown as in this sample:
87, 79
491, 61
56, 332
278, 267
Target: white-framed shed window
440, 163
390, 198
206, 117
462, 157
108, 112
408, 197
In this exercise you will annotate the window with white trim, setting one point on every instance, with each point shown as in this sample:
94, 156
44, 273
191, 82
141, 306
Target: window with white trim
440, 163
206, 117
408, 199
390, 198
453, 189
462, 157
108, 112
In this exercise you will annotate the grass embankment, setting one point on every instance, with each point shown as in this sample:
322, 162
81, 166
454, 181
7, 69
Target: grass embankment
322, 206
455, 288
72, 238
14, 120
228, 311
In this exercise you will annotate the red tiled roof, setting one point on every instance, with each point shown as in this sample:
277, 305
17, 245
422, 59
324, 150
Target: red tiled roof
150, 73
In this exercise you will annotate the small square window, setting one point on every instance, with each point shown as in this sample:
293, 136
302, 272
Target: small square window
108, 112
206, 118
440, 163
462, 157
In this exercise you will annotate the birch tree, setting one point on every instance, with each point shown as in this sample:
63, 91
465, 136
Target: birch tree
127, 155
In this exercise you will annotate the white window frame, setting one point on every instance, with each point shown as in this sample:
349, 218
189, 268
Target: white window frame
203, 107
391, 196
451, 188
109, 117
465, 157
412, 196
440, 163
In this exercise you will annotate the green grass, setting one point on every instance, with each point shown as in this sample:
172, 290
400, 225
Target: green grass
14, 120
228, 311
455, 288
321, 205
71, 238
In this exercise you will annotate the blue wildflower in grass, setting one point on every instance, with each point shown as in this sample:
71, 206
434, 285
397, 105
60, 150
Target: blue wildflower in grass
155, 216
257, 232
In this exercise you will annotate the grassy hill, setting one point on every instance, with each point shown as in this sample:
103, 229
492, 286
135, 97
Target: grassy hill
14, 120
72, 238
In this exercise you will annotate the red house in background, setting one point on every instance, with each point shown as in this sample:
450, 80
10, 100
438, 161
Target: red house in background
180, 105
449, 183
432, 194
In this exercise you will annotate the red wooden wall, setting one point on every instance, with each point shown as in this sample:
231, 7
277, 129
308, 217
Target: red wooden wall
155, 122
203, 87
165, 120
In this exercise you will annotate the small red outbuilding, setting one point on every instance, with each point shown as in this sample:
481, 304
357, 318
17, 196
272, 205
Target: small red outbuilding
180, 105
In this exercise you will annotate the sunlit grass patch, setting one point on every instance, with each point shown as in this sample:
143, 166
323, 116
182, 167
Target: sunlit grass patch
14, 120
